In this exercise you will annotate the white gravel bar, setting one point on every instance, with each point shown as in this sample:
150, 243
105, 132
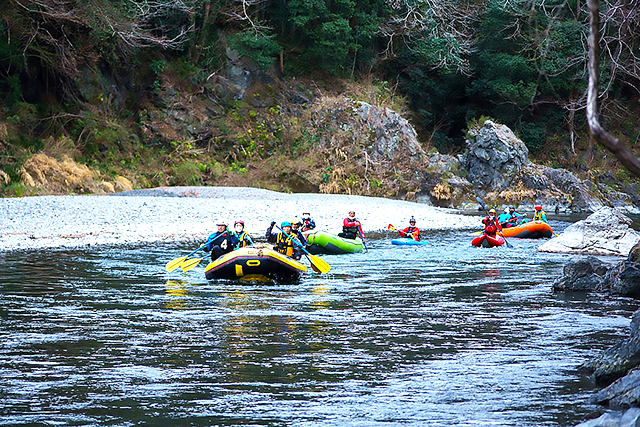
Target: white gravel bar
190, 213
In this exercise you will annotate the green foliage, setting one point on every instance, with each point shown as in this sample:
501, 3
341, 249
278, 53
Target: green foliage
186, 173
15, 189
533, 135
261, 48
336, 35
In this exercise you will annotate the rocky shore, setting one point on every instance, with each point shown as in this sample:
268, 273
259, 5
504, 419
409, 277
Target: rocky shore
189, 213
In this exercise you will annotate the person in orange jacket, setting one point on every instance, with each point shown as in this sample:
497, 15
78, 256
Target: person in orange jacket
411, 231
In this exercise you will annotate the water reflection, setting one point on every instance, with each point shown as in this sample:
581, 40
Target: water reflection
439, 335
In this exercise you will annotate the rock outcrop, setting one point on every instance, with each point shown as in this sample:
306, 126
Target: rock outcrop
605, 232
495, 156
617, 368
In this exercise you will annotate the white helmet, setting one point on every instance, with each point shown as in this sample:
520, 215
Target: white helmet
221, 222
506, 210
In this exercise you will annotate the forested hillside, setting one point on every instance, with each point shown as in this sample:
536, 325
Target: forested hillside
91, 85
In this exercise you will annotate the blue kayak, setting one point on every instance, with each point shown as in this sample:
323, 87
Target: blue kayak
407, 241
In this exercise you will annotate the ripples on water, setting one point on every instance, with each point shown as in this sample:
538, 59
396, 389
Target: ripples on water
443, 335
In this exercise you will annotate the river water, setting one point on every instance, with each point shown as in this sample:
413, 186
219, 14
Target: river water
440, 335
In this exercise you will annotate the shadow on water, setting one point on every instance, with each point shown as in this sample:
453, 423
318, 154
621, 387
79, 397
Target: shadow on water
439, 335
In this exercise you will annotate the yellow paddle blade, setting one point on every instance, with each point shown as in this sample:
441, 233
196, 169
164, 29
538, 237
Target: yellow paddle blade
318, 263
391, 227
190, 263
175, 263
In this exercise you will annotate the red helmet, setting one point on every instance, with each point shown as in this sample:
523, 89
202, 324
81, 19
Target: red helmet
538, 207
238, 222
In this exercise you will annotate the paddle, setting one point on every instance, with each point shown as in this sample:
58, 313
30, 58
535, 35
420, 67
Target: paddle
193, 263
487, 213
177, 262
392, 228
317, 264
362, 237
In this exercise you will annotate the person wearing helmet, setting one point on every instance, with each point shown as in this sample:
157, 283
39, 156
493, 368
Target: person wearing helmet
221, 242
244, 239
491, 224
504, 217
351, 227
307, 222
297, 232
283, 241
539, 214
411, 231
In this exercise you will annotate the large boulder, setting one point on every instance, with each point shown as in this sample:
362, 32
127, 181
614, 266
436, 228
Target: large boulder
495, 156
605, 232
624, 278
582, 275
628, 418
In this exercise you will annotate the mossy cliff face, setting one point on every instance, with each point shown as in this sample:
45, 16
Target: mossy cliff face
243, 126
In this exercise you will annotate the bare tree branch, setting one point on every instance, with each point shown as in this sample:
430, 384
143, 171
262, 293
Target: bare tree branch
611, 143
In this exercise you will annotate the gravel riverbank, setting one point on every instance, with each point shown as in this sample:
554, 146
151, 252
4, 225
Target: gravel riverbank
189, 213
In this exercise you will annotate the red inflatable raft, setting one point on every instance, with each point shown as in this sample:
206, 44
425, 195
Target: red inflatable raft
487, 241
529, 230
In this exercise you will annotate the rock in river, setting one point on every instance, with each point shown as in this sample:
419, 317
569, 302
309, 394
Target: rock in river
605, 232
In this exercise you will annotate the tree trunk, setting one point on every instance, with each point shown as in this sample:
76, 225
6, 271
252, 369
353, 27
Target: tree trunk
611, 143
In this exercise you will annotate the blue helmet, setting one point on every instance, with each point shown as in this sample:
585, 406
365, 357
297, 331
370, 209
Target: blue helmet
285, 224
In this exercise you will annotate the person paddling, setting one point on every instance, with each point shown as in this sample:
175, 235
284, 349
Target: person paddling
539, 214
351, 227
282, 241
244, 239
221, 242
307, 222
491, 224
411, 231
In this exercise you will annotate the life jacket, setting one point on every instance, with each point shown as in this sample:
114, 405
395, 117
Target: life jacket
283, 244
308, 224
491, 225
244, 239
350, 226
538, 215
408, 232
225, 240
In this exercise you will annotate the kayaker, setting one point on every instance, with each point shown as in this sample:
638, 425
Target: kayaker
411, 231
244, 239
351, 227
307, 222
295, 231
221, 242
539, 214
491, 224
283, 243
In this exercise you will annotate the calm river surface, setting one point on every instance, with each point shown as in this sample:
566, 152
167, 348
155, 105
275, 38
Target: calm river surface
443, 335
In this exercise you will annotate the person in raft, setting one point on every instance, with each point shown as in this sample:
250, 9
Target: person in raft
297, 232
411, 230
504, 217
510, 218
282, 242
491, 224
221, 242
351, 227
539, 214
307, 222
244, 239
